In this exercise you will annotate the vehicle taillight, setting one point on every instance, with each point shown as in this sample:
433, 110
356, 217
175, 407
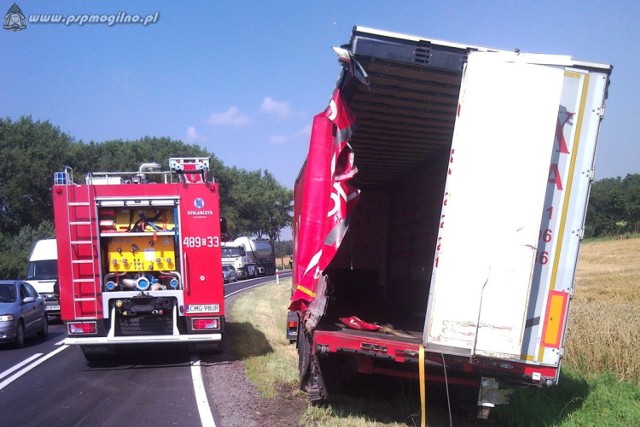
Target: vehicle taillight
80, 328
206, 323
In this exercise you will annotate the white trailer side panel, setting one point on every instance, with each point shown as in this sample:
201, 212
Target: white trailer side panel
495, 195
571, 172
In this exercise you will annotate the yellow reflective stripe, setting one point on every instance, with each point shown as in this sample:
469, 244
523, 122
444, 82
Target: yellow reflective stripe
569, 184
306, 291
423, 391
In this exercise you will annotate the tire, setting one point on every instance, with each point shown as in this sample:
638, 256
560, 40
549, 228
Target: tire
20, 338
42, 333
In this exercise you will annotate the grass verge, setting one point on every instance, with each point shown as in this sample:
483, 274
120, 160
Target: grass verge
258, 338
578, 400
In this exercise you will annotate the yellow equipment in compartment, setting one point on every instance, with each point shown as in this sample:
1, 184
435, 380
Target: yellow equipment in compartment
141, 253
143, 219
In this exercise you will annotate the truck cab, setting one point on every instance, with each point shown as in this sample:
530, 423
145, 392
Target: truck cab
42, 273
249, 256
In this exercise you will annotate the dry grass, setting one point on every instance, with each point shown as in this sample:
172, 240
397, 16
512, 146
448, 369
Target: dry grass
259, 338
604, 324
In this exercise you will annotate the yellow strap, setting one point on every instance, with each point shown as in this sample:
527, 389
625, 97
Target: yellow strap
423, 397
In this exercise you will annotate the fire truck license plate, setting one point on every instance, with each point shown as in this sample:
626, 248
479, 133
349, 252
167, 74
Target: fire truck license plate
203, 308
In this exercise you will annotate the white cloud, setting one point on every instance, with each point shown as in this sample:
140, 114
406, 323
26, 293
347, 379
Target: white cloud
231, 117
193, 136
280, 109
281, 139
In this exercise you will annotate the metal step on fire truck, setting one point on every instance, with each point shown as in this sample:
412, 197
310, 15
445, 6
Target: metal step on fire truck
139, 257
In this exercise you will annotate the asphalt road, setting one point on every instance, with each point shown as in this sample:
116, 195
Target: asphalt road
48, 383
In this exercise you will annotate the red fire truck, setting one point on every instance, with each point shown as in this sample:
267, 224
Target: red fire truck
139, 257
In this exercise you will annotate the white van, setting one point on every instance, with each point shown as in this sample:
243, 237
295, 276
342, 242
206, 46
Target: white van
42, 273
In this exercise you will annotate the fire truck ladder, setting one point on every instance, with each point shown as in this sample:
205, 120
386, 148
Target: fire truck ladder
83, 241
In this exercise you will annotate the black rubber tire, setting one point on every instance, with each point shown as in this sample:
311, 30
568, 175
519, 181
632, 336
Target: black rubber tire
42, 333
20, 338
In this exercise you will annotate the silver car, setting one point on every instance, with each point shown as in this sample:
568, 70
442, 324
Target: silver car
22, 312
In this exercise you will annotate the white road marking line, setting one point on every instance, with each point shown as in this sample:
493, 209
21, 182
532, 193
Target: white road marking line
19, 365
255, 286
23, 371
206, 417
60, 342
244, 289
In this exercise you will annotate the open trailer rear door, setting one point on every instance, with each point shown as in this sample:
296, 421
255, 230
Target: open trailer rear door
499, 172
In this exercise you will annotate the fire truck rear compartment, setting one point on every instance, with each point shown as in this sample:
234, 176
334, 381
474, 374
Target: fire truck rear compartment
402, 143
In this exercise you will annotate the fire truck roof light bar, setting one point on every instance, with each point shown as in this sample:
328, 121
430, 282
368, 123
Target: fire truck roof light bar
198, 163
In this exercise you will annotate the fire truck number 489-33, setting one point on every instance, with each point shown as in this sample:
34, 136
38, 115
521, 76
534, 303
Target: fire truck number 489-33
201, 242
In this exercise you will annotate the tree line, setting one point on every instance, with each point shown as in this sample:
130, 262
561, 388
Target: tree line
253, 202
614, 207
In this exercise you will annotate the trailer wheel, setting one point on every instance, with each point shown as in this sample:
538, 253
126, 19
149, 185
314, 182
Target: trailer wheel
334, 371
304, 356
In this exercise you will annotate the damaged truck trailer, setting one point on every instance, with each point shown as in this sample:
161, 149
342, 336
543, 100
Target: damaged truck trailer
439, 213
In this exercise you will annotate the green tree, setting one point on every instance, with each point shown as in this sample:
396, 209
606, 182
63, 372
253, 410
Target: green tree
607, 207
15, 250
259, 205
252, 201
277, 211
30, 153
631, 191
119, 155
283, 248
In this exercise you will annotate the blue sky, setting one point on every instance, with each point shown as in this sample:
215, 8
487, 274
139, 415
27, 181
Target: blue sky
244, 78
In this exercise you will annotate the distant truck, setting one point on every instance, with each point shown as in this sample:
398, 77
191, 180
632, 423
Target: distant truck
42, 273
438, 240
250, 257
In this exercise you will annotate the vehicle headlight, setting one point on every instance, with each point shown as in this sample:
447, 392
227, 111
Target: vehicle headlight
6, 318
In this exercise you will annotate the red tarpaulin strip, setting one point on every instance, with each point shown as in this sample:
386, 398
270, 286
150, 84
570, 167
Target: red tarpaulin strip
324, 199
